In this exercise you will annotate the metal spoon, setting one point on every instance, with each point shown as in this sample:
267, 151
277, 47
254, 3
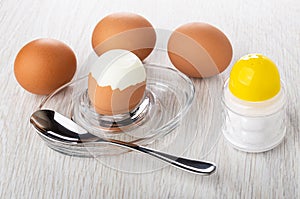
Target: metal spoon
63, 129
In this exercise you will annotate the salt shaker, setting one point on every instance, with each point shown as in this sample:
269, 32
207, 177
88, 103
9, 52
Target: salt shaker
254, 105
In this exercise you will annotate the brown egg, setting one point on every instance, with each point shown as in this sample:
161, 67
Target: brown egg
199, 50
43, 65
108, 101
126, 31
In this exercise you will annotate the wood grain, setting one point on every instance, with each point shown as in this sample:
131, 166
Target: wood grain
29, 169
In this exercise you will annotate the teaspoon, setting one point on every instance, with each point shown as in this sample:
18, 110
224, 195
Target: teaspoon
56, 126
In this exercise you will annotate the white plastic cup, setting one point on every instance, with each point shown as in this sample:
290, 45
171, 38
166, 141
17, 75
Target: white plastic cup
254, 126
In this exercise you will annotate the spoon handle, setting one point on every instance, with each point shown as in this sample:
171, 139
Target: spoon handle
193, 166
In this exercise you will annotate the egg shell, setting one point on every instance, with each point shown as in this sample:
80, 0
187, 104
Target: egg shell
108, 101
126, 31
199, 50
43, 65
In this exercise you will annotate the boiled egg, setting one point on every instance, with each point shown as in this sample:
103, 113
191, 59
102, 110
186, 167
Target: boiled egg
116, 82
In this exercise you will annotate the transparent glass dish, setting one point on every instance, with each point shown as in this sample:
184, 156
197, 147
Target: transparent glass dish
169, 95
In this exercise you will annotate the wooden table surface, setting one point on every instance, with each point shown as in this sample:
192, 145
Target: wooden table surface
29, 169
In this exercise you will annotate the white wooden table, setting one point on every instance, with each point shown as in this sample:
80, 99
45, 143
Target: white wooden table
29, 169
